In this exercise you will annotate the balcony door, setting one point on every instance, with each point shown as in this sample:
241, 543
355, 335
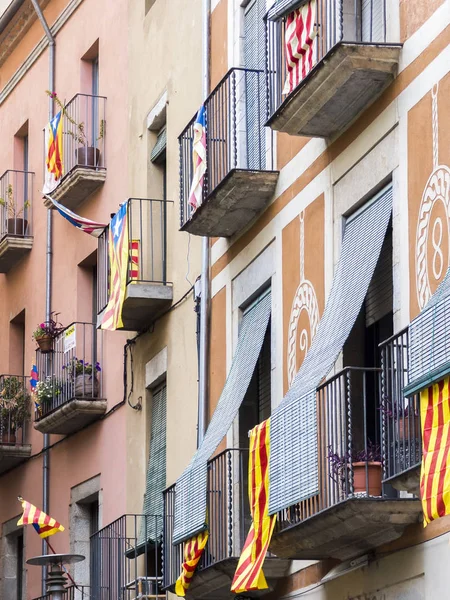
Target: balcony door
373, 19
254, 58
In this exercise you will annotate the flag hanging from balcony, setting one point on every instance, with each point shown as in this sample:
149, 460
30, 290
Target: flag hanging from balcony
54, 147
249, 575
118, 248
34, 380
198, 159
86, 225
134, 260
42, 523
300, 35
193, 550
435, 473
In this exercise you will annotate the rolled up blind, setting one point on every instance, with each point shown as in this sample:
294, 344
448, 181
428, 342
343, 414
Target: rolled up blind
294, 464
191, 487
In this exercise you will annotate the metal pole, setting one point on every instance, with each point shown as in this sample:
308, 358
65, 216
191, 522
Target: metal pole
48, 269
205, 283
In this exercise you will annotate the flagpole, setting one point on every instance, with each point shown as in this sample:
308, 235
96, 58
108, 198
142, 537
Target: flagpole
67, 572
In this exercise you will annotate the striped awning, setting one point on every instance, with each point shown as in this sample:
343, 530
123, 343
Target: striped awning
191, 487
281, 8
160, 146
429, 350
294, 462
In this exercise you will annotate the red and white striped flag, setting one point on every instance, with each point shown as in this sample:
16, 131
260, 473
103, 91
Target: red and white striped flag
198, 159
300, 35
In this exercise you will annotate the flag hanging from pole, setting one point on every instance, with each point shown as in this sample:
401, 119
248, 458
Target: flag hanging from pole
54, 147
193, 550
198, 159
300, 34
86, 225
249, 575
118, 249
42, 523
435, 472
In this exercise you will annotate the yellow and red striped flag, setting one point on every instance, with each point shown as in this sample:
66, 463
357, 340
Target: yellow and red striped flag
118, 248
249, 574
54, 161
133, 272
435, 473
193, 550
43, 524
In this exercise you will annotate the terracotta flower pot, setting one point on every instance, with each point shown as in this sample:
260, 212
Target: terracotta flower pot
8, 438
17, 226
359, 478
407, 431
86, 386
45, 344
87, 156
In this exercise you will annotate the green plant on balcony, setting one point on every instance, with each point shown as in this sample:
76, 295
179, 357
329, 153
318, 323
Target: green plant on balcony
84, 376
45, 333
86, 154
15, 221
364, 465
47, 391
14, 408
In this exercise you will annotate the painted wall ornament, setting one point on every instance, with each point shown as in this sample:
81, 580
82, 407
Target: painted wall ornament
430, 269
305, 301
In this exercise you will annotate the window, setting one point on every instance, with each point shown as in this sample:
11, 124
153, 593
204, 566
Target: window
17, 344
13, 565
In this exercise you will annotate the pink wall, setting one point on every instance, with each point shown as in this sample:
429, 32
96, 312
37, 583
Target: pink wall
101, 448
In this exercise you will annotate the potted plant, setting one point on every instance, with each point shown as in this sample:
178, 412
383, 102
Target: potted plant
84, 376
86, 154
14, 408
45, 333
365, 460
47, 392
16, 224
403, 422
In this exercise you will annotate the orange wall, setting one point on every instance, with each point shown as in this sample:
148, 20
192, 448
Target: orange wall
219, 42
414, 14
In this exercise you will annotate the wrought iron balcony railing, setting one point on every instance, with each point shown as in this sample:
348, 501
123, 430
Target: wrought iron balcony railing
361, 26
228, 514
126, 559
147, 262
73, 370
16, 203
235, 113
84, 132
401, 430
15, 412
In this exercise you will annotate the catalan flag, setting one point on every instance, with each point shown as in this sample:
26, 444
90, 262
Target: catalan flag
249, 575
54, 160
299, 37
43, 524
86, 225
198, 159
133, 272
118, 249
435, 472
193, 550
34, 380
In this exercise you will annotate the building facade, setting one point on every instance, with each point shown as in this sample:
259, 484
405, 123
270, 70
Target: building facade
119, 74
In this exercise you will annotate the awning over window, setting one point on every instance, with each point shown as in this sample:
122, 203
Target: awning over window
159, 148
281, 8
156, 470
429, 348
191, 487
294, 456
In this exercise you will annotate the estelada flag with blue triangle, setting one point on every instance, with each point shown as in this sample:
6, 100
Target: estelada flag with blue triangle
43, 524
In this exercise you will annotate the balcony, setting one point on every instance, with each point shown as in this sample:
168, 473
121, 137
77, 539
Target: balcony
401, 430
229, 522
353, 63
353, 512
16, 204
70, 393
239, 180
126, 559
15, 410
84, 151
148, 293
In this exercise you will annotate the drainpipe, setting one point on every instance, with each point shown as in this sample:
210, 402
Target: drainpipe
48, 275
205, 283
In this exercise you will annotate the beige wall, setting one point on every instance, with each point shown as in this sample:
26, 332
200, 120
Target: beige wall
163, 58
